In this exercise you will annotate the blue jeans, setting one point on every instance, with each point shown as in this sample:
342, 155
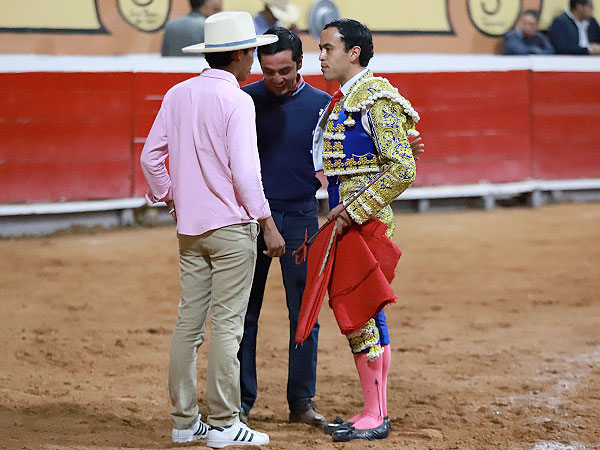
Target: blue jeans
302, 368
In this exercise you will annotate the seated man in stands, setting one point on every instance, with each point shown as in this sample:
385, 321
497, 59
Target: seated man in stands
188, 30
576, 32
525, 39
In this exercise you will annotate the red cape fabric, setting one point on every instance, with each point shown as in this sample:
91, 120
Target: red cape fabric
357, 271
316, 284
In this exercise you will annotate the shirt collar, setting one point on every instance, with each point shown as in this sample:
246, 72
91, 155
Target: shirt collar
220, 74
577, 21
348, 84
299, 85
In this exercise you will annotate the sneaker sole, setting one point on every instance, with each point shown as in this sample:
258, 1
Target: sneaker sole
225, 444
184, 440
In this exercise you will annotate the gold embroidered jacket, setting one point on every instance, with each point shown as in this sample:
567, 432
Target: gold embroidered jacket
357, 158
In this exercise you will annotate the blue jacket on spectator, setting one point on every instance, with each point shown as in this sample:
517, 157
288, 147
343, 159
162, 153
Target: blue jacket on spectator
516, 44
564, 35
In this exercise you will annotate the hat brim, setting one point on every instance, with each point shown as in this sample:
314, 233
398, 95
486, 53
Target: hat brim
288, 14
263, 39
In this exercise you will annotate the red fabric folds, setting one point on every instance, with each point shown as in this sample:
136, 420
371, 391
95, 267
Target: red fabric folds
357, 271
316, 281
359, 288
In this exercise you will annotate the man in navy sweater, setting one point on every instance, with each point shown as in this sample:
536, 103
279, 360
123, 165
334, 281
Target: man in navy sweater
287, 109
576, 32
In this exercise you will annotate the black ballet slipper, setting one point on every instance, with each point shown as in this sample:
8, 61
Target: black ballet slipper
370, 434
337, 424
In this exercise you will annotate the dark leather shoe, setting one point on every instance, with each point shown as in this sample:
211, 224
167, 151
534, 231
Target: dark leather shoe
306, 412
371, 434
244, 417
337, 424
388, 423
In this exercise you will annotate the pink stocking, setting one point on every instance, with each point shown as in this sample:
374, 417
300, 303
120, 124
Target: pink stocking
369, 373
385, 367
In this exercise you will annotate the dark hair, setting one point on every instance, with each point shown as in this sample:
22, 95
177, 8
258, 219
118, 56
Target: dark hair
573, 3
531, 12
217, 60
288, 40
354, 34
195, 4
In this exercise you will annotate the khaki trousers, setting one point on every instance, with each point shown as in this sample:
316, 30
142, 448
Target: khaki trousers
216, 275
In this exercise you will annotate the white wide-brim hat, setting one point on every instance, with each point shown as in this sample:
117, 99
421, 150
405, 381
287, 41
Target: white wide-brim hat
283, 10
228, 31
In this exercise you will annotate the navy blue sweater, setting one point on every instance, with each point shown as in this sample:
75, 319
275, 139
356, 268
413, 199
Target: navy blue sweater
284, 127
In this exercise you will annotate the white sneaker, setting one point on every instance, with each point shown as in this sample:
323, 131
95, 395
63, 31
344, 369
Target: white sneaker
236, 434
198, 431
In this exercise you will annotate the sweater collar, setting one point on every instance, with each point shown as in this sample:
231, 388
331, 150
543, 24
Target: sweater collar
299, 86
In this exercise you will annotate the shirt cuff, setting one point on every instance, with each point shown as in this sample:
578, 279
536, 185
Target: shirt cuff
151, 199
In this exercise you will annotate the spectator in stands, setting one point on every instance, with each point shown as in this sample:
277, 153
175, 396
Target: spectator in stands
576, 32
525, 39
274, 13
188, 30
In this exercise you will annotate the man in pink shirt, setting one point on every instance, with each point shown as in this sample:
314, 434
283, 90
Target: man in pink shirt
206, 126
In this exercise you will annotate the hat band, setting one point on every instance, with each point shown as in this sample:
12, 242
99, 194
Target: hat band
231, 44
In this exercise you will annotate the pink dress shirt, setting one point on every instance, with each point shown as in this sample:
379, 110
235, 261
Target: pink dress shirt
206, 126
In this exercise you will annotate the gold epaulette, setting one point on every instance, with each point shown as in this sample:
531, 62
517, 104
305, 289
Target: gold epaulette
369, 89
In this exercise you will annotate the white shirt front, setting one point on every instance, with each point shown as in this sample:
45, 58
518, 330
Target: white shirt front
582, 27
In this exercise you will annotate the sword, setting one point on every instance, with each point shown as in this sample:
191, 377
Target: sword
301, 252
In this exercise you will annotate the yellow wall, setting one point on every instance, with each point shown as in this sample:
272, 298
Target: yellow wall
135, 26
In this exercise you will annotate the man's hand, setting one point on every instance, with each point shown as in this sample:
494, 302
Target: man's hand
171, 206
594, 49
343, 218
417, 147
273, 240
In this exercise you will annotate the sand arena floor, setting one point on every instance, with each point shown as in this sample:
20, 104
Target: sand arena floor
496, 338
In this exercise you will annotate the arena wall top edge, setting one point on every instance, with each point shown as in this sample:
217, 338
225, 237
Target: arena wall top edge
384, 63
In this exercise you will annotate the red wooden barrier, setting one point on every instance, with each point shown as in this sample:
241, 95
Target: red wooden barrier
65, 136
565, 110
475, 125
78, 136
